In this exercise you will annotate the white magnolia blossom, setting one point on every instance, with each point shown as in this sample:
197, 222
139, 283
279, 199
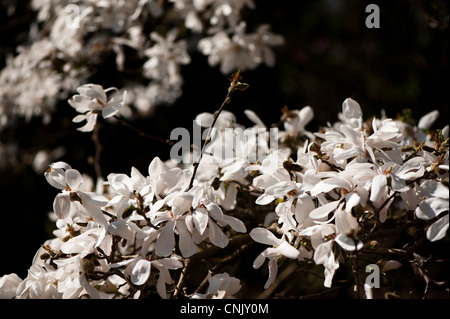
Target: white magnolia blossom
91, 101
240, 50
126, 236
165, 58
436, 203
221, 286
280, 247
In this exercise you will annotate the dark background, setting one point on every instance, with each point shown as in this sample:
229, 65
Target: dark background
328, 55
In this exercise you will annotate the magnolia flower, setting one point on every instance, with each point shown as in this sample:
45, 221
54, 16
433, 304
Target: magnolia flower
348, 139
164, 58
349, 243
322, 241
227, 12
163, 180
225, 120
60, 175
351, 183
8, 286
432, 207
295, 122
425, 123
194, 216
221, 286
91, 101
323, 255
280, 247
261, 42
71, 280
232, 53
173, 221
39, 284
190, 10
139, 271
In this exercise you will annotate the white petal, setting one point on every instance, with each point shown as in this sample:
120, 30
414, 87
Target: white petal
187, 245
306, 114
264, 181
354, 151
91, 120
304, 206
93, 91
431, 208
288, 251
8, 285
324, 210
161, 287
398, 184
434, 189
345, 222
216, 235
281, 189
391, 265
169, 263
438, 229
120, 228
254, 118
204, 119
61, 205
215, 211
62, 165
236, 224
259, 261
324, 255
329, 184
140, 272
79, 118
351, 200
200, 216
412, 169
155, 168
264, 236
55, 178
73, 179
379, 184
109, 111
166, 240
348, 243
427, 120
273, 270
93, 199
352, 112
264, 199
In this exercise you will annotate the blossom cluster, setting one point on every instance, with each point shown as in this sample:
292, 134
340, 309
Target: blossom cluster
68, 43
316, 198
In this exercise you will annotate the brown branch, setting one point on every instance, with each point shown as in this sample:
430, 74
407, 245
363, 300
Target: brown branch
141, 132
235, 85
98, 151
180, 283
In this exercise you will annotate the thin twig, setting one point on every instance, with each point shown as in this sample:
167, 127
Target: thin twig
216, 115
235, 85
98, 151
142, 133
180, 283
